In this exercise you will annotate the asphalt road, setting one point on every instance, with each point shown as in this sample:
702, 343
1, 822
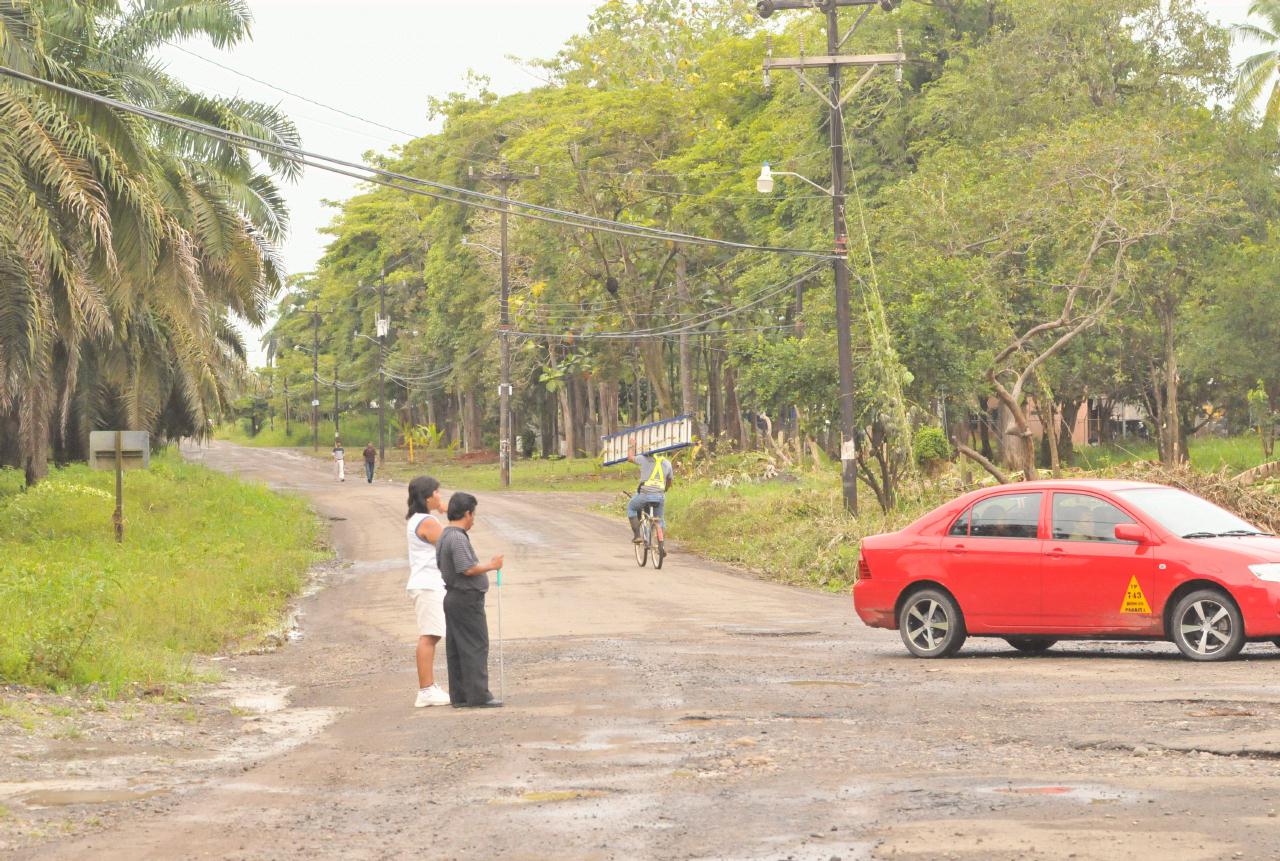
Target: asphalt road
698, 713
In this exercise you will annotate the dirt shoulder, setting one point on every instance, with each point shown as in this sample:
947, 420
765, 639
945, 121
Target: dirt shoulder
692, 713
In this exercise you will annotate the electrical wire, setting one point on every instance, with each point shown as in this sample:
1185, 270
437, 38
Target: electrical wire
714, 314
392, 179
643, 334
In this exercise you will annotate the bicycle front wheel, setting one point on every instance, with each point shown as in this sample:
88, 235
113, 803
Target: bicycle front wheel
642, 549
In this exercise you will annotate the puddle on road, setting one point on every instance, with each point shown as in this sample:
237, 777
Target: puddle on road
551, 796
823, 683
70, 797
739, 631
1083, 793
378, 564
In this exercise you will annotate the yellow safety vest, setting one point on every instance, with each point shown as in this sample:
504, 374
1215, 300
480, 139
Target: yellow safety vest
657, 481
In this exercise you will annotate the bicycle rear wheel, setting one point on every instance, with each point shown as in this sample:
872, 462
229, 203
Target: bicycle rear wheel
657, 555
642, 549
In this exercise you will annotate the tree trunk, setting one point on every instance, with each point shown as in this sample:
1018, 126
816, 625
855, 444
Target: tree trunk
566, 418
732, 410
1174, 449
1049, 424
655, 367
687, 404
590, 425
1069, 413
713, 399
984, 429
471, 440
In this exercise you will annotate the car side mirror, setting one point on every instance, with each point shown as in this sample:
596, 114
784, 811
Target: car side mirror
1133, 532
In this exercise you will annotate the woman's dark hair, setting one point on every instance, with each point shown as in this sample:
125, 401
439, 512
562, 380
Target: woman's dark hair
420, 490
460, 505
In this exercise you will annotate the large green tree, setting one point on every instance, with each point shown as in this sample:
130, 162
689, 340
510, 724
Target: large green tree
131, 244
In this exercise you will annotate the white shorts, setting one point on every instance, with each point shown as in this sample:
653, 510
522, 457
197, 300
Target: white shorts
428, 606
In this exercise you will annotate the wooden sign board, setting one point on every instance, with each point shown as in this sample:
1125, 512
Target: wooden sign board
135, 449
652, 438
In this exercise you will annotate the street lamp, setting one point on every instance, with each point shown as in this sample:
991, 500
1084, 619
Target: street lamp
844, 324
764, 182
470, 243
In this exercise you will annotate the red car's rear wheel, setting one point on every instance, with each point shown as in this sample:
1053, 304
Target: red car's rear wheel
931, 624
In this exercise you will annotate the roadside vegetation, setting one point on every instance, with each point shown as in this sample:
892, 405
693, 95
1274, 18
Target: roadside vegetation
785, 521
208, 563
355, 431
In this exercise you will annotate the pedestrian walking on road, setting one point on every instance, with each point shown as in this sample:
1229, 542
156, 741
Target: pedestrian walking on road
370, 459
425, 586
339, 460
466, 581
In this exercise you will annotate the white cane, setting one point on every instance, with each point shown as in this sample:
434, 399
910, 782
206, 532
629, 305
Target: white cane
502, 694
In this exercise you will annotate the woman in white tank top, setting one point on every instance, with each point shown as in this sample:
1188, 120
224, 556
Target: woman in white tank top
425, 587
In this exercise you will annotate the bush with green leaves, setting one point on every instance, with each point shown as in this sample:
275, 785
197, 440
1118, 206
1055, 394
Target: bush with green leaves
931, 446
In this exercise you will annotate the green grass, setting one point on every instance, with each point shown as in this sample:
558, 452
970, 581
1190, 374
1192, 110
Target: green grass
792, 528
578, 475
207, 562
356, 430
1208, 454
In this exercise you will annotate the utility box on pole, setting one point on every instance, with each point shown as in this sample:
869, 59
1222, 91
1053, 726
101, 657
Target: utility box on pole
119, 450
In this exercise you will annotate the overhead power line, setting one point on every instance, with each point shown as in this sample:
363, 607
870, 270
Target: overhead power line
675, 330
410, 184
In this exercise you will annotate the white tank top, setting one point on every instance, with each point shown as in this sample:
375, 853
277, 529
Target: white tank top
424, 573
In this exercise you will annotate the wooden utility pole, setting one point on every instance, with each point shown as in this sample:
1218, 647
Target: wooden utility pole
833, 61
315, 380
504, 179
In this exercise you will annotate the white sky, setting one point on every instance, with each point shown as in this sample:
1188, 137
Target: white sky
382, 59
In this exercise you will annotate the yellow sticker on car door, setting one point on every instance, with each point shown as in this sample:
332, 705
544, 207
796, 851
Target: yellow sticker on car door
1134, 600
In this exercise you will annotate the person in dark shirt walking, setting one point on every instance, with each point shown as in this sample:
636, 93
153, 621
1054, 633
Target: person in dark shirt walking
466, 581
370, 458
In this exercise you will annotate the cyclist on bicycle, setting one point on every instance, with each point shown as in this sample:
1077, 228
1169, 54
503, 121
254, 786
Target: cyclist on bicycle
655, 481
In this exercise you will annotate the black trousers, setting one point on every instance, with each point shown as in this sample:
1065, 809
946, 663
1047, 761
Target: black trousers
466, 646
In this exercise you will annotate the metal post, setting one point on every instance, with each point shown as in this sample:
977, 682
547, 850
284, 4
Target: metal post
382, 380
315, 380
336, 428
844, 317
117, 518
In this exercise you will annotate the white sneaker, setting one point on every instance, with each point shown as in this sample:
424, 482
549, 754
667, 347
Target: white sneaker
431, 696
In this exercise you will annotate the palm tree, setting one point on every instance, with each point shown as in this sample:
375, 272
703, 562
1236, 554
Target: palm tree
1261, 69
131, 244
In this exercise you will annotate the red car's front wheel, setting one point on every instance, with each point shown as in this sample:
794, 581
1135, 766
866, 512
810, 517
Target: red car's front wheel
1207, 626
931, 624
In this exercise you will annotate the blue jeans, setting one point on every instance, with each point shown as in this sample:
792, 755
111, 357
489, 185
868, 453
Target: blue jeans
368, 472
638, 502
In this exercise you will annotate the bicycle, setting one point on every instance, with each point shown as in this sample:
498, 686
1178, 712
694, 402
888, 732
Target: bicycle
651, 549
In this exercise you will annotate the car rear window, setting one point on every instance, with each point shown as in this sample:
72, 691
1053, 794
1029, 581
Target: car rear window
1010, 515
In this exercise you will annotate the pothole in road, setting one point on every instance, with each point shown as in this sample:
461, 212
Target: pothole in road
378, 564
1087, 794
548, 796
824, 683
767, 632
70, 797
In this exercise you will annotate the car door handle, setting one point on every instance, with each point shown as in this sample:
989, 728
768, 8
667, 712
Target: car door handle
1057, 551
958, 548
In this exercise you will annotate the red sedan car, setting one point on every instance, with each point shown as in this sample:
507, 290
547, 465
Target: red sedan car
1048, 560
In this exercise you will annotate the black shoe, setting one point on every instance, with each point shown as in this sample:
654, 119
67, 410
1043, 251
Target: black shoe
490, 704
